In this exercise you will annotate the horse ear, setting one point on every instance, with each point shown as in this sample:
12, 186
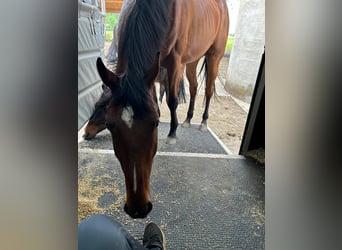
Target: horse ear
108, 77
153, 71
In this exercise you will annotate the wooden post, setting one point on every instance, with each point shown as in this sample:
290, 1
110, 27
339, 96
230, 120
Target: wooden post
113, 6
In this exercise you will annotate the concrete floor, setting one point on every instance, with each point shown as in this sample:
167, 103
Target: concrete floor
203, 198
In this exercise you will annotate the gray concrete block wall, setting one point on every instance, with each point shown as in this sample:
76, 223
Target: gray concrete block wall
247, 49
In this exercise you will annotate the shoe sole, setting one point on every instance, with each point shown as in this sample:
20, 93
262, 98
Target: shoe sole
164, 239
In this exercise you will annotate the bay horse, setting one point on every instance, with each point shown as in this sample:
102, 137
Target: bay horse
97, 121
168, 33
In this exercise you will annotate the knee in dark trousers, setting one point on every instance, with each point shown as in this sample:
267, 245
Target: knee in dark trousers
102, 232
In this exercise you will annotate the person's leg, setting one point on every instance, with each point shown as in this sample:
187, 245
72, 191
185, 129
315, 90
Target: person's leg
102, 232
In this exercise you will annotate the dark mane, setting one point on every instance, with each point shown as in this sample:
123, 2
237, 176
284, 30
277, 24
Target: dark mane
142, 37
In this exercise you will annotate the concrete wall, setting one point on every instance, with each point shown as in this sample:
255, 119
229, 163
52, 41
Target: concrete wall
247, 49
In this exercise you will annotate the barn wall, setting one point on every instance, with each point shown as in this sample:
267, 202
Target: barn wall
91, 40
247, 50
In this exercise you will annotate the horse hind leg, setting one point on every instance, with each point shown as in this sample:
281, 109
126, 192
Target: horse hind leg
161, 91
162, 84
193, 84
212, 66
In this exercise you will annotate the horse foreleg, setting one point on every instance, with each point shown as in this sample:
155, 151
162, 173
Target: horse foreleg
174, 78
191, 75
212, 70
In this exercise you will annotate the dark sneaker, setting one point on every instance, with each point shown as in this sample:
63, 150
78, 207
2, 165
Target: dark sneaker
153, 237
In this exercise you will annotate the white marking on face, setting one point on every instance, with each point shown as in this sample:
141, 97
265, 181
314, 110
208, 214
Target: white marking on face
134, 179
127, 116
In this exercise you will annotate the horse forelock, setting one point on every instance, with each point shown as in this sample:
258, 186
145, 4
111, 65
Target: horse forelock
128, 93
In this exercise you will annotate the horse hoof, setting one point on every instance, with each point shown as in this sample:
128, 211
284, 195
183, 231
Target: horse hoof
171, 140
186, 124
203, 127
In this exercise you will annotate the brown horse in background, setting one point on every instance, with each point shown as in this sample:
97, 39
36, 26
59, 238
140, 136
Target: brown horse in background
168, 33
199, 28
97, 121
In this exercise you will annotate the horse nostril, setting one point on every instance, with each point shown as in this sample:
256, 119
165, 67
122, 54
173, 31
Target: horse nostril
85, 136
126, 208
149, 207
136, 213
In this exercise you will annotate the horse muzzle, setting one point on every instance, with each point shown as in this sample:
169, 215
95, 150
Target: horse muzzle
88, 136
136, 213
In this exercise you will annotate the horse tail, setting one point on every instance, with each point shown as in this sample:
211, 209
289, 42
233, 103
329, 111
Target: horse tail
181, 92
205, 68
